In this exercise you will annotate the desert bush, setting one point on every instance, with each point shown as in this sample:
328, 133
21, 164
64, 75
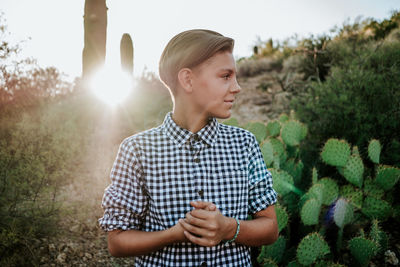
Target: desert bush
359, 100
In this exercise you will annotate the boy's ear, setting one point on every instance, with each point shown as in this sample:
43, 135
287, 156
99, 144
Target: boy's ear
185, 79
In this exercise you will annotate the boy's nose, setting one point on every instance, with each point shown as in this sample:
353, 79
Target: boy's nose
236, 87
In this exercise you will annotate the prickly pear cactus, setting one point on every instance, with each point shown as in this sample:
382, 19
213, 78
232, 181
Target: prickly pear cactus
336, 152
267, 151
281, 216
352, 194
387, 177
258, 129
354, 170
379, 236
283, 118
310, 211
330, 190
231, 121
372, 189
311, 248
293, 132
343, 213
314, 175
363, 249
282, 181
316, 191
376, 208
374, 150
273, 252
273, 128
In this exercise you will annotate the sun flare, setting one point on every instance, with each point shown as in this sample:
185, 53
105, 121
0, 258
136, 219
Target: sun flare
111, 85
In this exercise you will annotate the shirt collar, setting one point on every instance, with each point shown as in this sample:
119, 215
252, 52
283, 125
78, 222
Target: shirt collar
181, 136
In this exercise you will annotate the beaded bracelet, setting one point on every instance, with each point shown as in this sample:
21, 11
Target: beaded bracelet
236, 234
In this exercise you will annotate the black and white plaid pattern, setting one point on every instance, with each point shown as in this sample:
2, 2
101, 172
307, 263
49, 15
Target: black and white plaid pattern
159, 171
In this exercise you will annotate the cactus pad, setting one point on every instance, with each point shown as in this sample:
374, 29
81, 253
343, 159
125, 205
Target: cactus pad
311, 248
374, 150
292, 133
282, 181
330, 190
379, 236
316, 191
354, 170
372, 189
231, 121
387, 177
336, 152
376, 208
273, 128
314, 175
274, 251
258, 129
281, 216
283, 118
343, 213
267, 151
279, 149
363, 249
310, 212
352, 194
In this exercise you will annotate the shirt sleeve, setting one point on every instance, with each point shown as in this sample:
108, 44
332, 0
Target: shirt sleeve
124, 201
261, 193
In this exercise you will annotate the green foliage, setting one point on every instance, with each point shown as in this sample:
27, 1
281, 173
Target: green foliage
363, 249
258, 129
354, 170
231, 121
310, 212
387, 177
273, 252
330, 190
282, 217
311, 248
283, 181
352, 194
273, 128
336, 152
376, 208
293, 132
374, 150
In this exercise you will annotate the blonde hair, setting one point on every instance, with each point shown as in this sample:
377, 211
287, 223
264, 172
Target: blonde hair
189, 49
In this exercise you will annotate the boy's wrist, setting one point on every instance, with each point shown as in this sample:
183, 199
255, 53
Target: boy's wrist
231, 228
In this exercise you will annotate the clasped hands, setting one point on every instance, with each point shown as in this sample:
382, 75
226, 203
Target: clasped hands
206, 225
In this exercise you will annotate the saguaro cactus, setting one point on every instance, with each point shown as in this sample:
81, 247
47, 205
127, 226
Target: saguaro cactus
95, 35
126, 50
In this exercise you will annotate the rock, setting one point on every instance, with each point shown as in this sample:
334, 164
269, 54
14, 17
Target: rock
74, 228
88, 256
390, 257
61, 258
52, 248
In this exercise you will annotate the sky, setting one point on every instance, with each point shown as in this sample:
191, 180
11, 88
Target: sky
53, 29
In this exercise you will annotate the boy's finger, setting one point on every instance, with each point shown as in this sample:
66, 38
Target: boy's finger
196, 240
200, 204
191, 228
201, 213
196, 221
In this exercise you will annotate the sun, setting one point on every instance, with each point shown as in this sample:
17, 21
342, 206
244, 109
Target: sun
111, 85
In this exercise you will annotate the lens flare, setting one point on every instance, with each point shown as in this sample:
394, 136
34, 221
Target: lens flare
111, 85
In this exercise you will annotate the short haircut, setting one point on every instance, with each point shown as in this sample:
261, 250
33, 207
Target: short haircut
189, 49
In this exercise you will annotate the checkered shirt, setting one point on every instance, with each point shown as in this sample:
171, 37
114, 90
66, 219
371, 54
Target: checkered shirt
158, 172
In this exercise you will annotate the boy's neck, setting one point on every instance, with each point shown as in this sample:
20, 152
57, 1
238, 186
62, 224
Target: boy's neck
188, 120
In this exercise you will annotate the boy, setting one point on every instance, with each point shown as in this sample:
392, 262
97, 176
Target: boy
180, 193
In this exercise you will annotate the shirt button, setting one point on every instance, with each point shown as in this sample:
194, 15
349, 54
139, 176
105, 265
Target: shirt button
201, 192
197, 160
196, 137
203, 264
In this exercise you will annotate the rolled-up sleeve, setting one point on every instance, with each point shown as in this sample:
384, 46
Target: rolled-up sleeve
124, 201
261, 193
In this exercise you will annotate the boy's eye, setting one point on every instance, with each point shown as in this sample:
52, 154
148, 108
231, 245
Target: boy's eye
226, 76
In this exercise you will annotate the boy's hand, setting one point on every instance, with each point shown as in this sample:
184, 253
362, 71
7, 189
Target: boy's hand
208, 223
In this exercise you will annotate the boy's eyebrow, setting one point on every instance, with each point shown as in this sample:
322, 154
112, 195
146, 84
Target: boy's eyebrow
229, 70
